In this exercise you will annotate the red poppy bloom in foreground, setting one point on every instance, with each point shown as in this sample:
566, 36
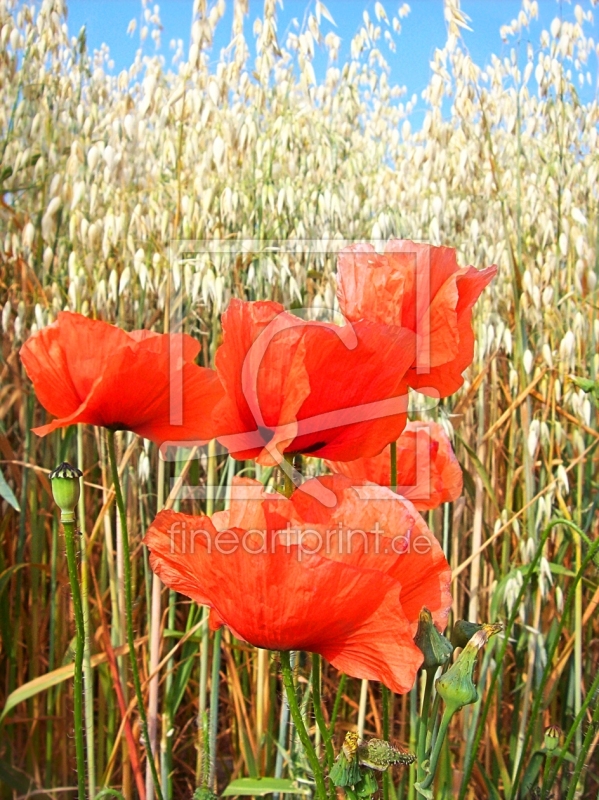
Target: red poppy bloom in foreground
420, 287
85, 370
292, 574
298, 386
428, 473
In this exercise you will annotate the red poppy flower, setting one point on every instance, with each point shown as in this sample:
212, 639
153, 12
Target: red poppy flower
428, 473
420, 287
85, 370
298, 386
292, 574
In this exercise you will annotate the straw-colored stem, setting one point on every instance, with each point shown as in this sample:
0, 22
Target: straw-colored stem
362, 707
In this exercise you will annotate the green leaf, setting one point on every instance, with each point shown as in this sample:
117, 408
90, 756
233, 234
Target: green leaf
263, 786
37, 685
7, 493
557, 569
45, 682
482, 472
586, 384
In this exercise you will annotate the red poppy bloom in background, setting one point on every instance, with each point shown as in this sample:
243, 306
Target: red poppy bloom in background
428, 473
298, 386
420, 287
85, 370
292, 574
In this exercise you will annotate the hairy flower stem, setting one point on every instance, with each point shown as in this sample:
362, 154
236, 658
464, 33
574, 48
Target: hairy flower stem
446, 719
214, 691
386, 701
423, 724
321, 791
129, 611
318, 715
71, 551
337, 703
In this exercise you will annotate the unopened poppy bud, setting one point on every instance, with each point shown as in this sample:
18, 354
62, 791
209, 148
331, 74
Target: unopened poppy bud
380, 754
435, 647
66, 489
463, 631
457, 687
553, 734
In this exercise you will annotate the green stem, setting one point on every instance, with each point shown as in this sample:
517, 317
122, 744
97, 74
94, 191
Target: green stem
393, 454
447, 715
386, 701
575, 783
318, 715
88, 677
469, 764
71, 551
214, 691
298, 721
412, 745
337, 703
423, 724
288, 484
129, 611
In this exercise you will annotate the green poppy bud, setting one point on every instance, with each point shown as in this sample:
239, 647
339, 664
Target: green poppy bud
379, 754
463, 631
66, 489
457, 687
435, 647
553, 734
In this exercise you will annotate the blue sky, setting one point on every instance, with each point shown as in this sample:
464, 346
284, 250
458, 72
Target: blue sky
423, 30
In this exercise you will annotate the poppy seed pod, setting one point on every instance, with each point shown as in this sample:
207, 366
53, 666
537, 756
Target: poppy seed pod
66, 489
